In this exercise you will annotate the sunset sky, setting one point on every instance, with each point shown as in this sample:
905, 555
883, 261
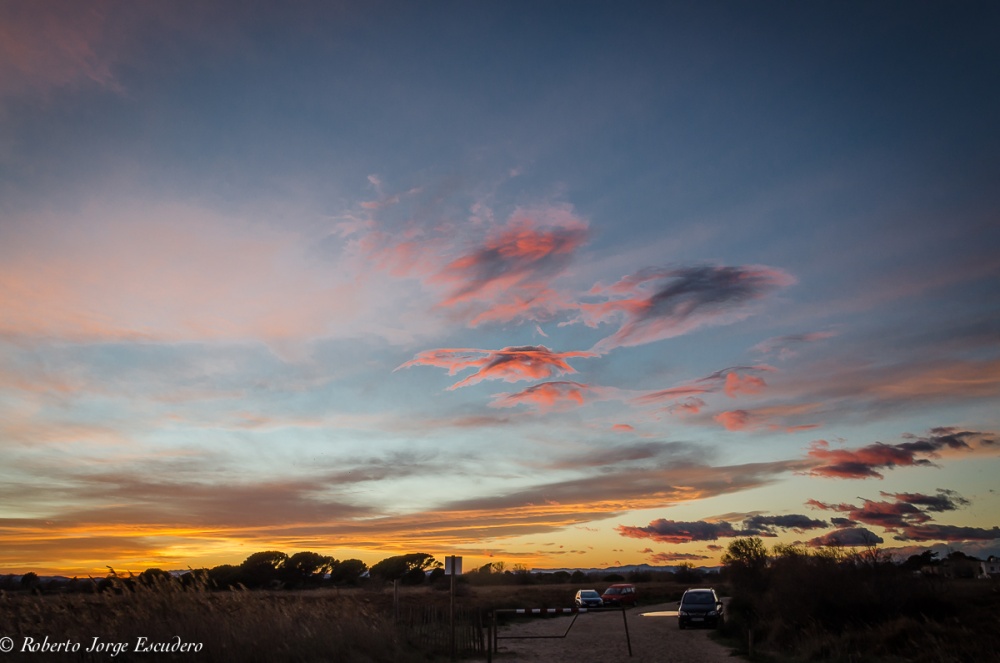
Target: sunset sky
562, 284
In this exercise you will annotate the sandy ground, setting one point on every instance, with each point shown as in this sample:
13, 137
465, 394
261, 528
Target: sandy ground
601, 637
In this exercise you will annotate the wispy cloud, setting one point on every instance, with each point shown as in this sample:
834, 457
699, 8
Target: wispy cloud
786, 347
945, 500
135, 510
47, 45
667, 557
932, 532
508, 277
659, 303
772, 418
513, 364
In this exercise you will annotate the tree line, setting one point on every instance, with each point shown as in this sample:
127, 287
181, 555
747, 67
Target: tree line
856, 604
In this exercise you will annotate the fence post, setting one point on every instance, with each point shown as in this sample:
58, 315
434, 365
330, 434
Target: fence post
451, 612
627, 638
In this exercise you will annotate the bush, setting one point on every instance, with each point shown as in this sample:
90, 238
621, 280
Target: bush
827, 605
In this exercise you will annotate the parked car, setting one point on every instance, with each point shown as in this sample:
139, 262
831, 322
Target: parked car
700, 607
588, 598
622, 594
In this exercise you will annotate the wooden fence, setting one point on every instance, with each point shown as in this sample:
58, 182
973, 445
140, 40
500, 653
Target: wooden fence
429, 627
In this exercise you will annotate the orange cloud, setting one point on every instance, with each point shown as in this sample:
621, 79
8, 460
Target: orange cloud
765, 417
129, 521
749, 384
528, 362
545, 395
731, 380
734, 420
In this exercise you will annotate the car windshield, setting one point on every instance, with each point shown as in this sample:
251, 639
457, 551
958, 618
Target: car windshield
589, 594
698, 598
614, 590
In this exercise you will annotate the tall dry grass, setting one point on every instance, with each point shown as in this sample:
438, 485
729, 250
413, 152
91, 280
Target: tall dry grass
236, 625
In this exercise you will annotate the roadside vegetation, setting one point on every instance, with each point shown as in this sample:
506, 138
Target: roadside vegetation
274, 607
798, 604
795, 604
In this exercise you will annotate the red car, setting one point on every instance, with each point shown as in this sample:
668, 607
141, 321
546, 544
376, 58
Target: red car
623, 594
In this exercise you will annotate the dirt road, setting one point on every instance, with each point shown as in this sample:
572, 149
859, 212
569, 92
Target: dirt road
601, 637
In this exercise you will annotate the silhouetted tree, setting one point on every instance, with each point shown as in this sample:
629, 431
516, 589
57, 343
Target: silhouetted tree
407, 568
686, 573
154, 576
640, 576
307, 568
224, 575
347, 572
29, 580
918, 562
262, 568
745, 562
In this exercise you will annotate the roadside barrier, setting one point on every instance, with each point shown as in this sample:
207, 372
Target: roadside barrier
494, 636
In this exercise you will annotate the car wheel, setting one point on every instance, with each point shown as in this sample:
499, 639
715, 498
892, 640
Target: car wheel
680, 625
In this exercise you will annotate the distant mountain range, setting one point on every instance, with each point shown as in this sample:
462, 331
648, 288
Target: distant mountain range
630, 568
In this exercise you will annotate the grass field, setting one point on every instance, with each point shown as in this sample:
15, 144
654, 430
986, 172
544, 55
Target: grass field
941, 621
346, 624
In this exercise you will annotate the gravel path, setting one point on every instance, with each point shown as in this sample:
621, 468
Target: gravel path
601, 637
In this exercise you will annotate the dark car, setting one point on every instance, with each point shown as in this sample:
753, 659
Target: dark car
588, 598
623, 594
700, 607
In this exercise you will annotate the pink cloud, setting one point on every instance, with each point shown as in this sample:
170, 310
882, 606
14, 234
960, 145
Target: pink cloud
688, 406
512, 364
734, 419
865, 462
907, 515
732, 380
655, 304
623, 428
882, 514
766, 418
671, 394
507, 277
546, 395
748, 384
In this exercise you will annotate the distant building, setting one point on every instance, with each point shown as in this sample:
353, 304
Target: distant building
990, 568
960, 566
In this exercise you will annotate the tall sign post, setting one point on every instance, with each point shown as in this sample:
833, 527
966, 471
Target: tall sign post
452, 567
